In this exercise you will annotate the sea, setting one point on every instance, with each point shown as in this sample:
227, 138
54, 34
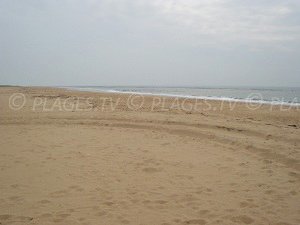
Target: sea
262, 95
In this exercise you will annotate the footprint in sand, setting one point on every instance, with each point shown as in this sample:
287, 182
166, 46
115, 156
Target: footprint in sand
161, 202
165, 144
151, 170
15, 186
58, 194
76, 188
108, 203
44, 201
46, 215
242, 219
101, 213
195, 221
247, 205
15, 198
203, 211
9, 219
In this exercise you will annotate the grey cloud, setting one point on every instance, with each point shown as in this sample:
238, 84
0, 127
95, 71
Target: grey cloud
158, 42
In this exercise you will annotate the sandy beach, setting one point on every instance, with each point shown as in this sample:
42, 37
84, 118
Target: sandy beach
101, 158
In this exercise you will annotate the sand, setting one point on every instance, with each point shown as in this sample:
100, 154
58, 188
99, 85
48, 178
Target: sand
98, 164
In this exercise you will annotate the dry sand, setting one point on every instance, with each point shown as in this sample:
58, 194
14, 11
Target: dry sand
145, 166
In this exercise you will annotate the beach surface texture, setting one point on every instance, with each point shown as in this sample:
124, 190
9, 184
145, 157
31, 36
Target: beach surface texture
71, 157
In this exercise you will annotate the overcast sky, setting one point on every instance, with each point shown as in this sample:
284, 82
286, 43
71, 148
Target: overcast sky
150, 42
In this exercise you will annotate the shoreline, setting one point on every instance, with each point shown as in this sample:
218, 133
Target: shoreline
209, 98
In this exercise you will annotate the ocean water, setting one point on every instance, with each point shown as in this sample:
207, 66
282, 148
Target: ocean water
286, 96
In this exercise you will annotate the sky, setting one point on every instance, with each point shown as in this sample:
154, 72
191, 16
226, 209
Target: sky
150, 42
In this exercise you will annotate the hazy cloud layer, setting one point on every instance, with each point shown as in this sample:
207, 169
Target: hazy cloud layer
158, 42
